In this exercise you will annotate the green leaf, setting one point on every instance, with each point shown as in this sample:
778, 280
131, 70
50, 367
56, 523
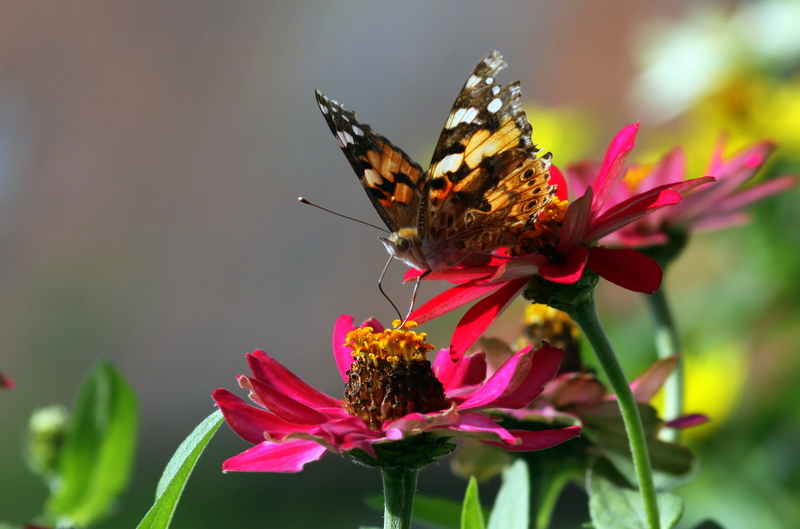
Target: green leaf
471, 513
612, 505
177, 473
440, 512
97, 457
512, 506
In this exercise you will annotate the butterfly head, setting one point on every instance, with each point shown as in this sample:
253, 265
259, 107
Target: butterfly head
404, 244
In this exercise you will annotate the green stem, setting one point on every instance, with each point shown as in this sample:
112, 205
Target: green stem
668, 344
399, 487
585, 315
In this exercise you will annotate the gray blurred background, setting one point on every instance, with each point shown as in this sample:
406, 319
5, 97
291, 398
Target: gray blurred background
151, 154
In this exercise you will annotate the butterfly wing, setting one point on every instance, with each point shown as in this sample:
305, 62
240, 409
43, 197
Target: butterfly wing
390, 177
485, 176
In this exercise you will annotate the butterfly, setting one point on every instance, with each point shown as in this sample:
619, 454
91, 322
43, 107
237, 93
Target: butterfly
484, 179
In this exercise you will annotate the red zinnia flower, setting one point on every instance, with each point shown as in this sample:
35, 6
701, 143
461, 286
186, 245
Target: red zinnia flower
559, 246
293, 423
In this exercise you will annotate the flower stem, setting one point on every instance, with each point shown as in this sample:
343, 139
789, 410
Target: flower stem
399, 487
585, 315
668, 344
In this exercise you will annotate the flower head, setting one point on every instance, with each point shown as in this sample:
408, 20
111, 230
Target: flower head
559, 248
393, 394
6, 382
717, 205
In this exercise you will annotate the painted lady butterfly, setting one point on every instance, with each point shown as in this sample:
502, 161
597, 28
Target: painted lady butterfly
484, 178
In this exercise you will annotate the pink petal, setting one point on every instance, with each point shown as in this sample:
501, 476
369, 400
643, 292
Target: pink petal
671, 168
468, 371
613, 168
570, 271
538, 440
341, 353
557, 179
518, 382
757, 192
453, 275
267, 369
629, 211
576, 222
451, 299
250, 423
687, 421
348, 433
482, 314
648, 384
481, 427
275, 457
582, 175
570, 389
626, 268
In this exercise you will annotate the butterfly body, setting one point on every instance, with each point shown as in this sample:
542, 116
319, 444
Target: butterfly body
484, 178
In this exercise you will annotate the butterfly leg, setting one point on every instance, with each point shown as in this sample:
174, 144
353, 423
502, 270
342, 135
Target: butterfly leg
380, 287
414, 295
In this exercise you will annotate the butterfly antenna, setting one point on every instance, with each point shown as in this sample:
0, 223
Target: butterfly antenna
380, 287
414, 295
304, 201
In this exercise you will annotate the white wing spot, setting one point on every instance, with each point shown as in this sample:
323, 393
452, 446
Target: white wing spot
495, 89
455, 118
489, 80
450, 163
495, 105
469, 115
372, 177
324, 109
472, 81
344, 138
357, 131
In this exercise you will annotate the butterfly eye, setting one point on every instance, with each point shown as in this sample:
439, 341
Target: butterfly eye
403, 245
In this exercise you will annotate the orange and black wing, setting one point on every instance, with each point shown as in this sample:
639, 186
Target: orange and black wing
392, 180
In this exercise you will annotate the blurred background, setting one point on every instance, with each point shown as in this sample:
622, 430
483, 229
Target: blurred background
151, 155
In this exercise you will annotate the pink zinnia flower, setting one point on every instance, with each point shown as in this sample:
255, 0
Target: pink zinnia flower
560, 246
293, 424
714, 206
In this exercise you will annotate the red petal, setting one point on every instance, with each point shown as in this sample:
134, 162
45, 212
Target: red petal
285, 407
557, 179
251, 423
570, 271
451, 299
626, 268
482, 314
275, 457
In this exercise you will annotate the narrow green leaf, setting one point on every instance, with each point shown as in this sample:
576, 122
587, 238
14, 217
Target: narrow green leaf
512, 506
95, 463
612, 505
471, 513
176, 474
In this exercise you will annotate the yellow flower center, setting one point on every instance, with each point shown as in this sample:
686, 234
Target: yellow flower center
543, 323
390, 376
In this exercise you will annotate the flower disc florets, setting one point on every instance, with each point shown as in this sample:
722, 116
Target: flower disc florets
390, 376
